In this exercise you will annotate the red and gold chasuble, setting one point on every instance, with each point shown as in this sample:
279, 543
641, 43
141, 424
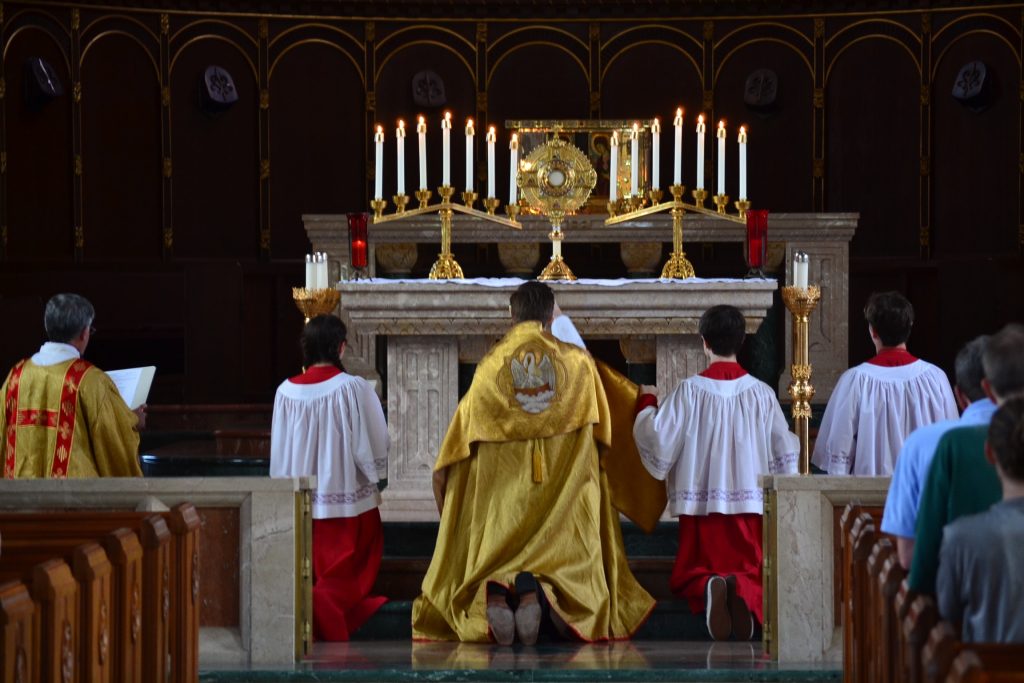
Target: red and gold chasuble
66, 420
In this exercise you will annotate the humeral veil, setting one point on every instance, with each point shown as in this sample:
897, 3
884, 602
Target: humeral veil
523, 487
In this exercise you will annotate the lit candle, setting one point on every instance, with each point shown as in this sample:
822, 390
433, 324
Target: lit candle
446, 149
322, 279
800, 267
421, 129
743, 162
491, 138
513, 169
655, 154
634, 155
378, 176
677, 164
613, 169
469, 154
701, 129
720, 133
400, 138
309, 271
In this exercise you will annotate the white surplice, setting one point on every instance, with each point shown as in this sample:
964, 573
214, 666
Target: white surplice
872, 411
710, 441
334, 430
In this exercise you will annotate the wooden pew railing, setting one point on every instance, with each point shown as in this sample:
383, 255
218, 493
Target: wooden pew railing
135, 582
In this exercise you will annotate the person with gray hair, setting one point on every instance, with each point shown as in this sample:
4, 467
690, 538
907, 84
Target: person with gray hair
961, 481
63, 416
916, 455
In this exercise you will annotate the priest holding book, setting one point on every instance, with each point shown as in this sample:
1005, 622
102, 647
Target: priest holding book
62, 416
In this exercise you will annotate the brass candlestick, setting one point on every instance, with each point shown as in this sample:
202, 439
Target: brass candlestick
801, 302
512, 210
699, 195
314, 302
491, 204
557, 268
424, 197
468, 197
742, 206
678, 266
400, 200
721, 201
378, 206
445, 267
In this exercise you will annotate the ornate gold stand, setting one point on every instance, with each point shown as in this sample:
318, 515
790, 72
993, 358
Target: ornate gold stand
445, 267
557, 268
678, 267
801, 302
314, 302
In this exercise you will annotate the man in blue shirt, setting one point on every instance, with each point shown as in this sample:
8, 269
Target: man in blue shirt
915, 457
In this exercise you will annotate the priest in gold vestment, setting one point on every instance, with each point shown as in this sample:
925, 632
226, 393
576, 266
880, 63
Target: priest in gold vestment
521, 490
62, 416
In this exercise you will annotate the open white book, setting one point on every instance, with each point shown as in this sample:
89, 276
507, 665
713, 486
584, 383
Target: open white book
133, 384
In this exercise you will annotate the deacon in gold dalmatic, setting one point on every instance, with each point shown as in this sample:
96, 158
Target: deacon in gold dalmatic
520, 486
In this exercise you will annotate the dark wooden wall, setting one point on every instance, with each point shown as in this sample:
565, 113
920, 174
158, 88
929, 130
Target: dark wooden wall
184, 228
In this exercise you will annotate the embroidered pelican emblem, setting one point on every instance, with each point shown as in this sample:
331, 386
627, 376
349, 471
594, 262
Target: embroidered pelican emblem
534, 381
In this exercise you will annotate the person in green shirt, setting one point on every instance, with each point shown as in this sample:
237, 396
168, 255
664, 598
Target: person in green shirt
960, 480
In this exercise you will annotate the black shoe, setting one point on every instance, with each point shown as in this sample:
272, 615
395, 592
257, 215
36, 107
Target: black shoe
716, 610
742, 618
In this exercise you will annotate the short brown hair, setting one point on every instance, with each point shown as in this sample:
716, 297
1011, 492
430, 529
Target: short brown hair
1006, 438
891, 316
1003, 360
532, 301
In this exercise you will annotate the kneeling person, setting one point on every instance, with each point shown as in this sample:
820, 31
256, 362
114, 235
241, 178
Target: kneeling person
715, 433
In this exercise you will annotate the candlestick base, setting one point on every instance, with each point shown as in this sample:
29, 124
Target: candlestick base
445, 268
400, 200
513, 211
655, 196
742, 206
491, 204
378, 206
678, 267
468, 197
721, 201
314, 302
699, 195
634, 202
556, 269
423, 196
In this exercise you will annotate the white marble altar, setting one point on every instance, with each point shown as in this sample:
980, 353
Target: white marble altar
799, 568
432, 325
267, 547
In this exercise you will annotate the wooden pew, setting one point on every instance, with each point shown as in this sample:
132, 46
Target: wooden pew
169, 590
890, 580
921, 618
850, 513
969, 667
874, 631
944, 646
19, 656
901, 607
861, 540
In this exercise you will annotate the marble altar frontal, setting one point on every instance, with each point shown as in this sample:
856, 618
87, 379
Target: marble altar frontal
432, 325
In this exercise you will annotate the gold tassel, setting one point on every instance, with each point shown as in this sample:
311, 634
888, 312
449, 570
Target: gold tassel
538, 462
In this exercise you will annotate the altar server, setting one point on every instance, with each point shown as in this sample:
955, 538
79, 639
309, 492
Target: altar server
714, 435
877, 404
329, 424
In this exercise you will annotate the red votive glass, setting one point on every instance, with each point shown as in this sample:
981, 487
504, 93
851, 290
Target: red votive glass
357, 239
757, 241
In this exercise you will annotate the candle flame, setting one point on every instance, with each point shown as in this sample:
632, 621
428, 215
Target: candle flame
679, 111
422, 120
401, 123
721, 124
469, 122
491, 130
743, 129
615, 138
380, 129
515, 138
448, 115
700, 118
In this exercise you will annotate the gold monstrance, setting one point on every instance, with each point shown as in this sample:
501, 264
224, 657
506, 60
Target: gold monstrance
556, 179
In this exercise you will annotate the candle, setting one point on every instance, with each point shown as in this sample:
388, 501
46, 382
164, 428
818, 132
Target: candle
700, 151
800, 267
400, 138
634, 155
655, 154
421, 129
322, 279
309, 271
469, 154
613, 169
491, 138
446, 149
720, 133
677, 164
513, 169
743, 162
378, 176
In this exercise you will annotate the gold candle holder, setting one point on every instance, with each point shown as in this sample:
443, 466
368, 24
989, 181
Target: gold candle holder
378, 206
400, 200
424, 197
801, 302
491, 204
678, 266
314, 302
557, 268
613, 208
468, 197
512, 210
721, 201
445, 267
634, 202
699, 195
654, 196
742, 206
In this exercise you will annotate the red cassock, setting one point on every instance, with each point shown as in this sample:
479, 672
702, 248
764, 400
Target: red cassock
346, 558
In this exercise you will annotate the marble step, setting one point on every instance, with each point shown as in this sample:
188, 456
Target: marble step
670, 620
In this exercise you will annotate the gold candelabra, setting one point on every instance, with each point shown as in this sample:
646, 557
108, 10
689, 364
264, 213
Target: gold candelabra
314, 302
801, 301
445, 267
677, 266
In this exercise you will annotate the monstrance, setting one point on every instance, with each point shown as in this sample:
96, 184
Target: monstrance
556, 179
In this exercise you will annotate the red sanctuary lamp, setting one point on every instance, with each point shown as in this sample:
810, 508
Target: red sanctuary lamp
357, 243
756, 243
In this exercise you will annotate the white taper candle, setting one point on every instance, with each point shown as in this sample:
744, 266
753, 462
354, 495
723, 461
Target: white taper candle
378, 176
470, 132
701, 129
400, 139
513, 169
491, 138
613, 168
743, 162
446, 149
677, 164
655, 154
421, 130
720, 133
